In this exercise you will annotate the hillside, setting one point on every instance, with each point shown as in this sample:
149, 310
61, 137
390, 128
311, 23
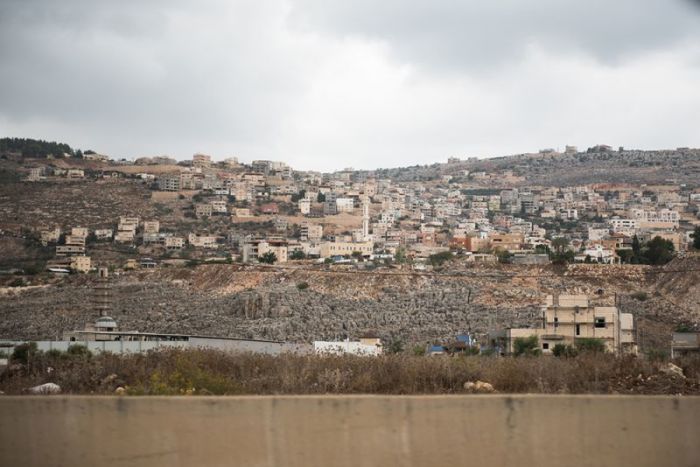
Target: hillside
257, 302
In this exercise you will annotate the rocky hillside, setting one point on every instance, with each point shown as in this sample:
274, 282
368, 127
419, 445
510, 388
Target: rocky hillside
309, 304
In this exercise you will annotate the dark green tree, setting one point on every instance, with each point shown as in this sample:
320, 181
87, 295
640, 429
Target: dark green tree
658, 251
696, 237
526, 346
268, 258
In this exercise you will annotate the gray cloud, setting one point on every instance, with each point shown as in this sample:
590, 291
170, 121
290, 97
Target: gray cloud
326, 84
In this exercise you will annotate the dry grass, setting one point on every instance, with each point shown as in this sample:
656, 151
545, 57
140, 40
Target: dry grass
175, 371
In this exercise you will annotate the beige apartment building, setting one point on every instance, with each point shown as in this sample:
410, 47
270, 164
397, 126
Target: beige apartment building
329, 249
80, 263
567, 318
151, 227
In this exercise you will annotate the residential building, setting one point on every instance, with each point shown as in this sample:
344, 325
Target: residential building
311, 232
344, 205
364, 347
304, 206
202, 241
80, 263
174, 243
567, 319
201, 160
329, 249
278, 247
151, 227
203, 210
50, 236
103, 234
684, 343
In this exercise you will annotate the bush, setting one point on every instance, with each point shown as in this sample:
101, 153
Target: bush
78, 350
208, 371
590, 345
303, 285
439, 258
268, 258
24, 352
526, 346
563, 350
641, 296
297, 254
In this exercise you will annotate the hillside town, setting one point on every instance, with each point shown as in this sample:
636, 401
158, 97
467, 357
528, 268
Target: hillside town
164, 224
269, 213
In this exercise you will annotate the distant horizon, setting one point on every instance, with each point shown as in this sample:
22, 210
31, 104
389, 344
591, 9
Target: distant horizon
444, 159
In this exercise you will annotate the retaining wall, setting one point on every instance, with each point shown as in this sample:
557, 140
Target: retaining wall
350, 431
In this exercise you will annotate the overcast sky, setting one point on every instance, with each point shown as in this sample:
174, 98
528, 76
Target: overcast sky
327, 84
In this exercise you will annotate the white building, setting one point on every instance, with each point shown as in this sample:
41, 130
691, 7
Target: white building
364, 347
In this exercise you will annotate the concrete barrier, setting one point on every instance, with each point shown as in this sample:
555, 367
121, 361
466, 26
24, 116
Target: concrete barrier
350, 431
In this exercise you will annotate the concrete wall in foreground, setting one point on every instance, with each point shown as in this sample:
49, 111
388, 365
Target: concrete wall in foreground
352, 431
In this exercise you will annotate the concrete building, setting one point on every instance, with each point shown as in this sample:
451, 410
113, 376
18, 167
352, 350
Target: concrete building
311, 232
203, 210
370, 346
344, 205
169, 183
568, 318
80, 263
201, 160
50, 236
103, 234
278, 247
329, 249
202, 241
304, 206
174, 243
151, 227
684, 343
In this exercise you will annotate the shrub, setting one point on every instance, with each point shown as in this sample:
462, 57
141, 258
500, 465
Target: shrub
24, 352
590, 345
439, 258
657, 355
297, 254
268, 258
303, 285
641, 296
78, 350
526, 346
563, 350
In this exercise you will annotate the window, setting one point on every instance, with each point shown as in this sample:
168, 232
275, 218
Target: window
578, 329
600, 322
556, 322
545, 345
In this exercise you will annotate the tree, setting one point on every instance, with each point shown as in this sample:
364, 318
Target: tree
321, 197
658, 251
297, 254
526, 346
268, 258
395, 346
357, 255
636, 248
696, 237
562, 254
439, 258
400, 255
563, 350
504, 256
590, 345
